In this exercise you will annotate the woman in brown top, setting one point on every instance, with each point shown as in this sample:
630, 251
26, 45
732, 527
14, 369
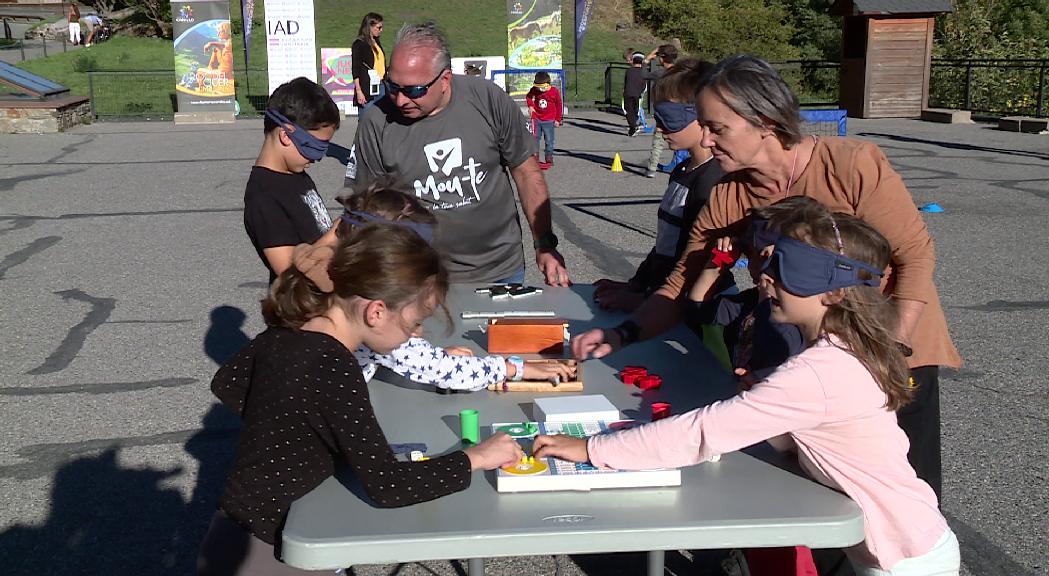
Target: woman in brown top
752, 125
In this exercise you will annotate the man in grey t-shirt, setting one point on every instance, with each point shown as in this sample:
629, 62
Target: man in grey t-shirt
457, 140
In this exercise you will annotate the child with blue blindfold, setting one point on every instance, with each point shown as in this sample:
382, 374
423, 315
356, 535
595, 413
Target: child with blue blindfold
834, 403
281, 205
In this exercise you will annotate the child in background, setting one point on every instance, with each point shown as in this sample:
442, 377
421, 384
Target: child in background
687, 190
305, 405
634, 85
451, 368
547, 111
834, 403
281, 206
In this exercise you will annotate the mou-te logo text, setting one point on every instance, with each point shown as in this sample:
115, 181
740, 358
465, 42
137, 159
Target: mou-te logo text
445, 159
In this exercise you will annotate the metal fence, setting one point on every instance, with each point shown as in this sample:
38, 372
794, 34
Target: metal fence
989, 86
1004, 86
22, 50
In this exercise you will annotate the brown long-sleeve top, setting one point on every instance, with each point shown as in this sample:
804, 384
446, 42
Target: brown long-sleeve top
854, 177
305, 408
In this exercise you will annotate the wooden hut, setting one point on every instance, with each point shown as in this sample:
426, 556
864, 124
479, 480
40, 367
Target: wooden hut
885, 55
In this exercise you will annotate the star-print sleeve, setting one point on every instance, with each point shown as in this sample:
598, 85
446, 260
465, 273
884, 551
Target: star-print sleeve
422, 362
346, 417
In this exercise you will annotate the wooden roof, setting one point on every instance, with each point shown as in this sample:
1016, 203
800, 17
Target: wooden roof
875, 7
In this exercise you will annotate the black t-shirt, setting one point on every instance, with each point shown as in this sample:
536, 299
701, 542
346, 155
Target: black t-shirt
687, 192
634, 83
282, 210
305, 410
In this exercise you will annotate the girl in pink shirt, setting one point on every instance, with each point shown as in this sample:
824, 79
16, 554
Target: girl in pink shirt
834, 403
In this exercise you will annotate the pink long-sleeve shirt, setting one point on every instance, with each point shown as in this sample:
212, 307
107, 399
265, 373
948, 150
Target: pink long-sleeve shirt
830, 406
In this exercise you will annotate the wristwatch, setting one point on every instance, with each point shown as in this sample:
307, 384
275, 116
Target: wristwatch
518, 364
547, 241
628, 332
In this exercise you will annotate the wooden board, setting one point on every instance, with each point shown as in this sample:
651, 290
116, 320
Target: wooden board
543, 386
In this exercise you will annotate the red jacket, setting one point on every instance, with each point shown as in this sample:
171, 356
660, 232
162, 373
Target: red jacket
545, 105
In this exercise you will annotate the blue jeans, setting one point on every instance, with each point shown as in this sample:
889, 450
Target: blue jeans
515, 278
546, 132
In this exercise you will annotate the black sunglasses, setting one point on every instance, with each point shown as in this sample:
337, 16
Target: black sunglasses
411, 92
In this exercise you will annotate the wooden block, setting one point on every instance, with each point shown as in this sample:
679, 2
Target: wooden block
544, 386
947, 116
527, 335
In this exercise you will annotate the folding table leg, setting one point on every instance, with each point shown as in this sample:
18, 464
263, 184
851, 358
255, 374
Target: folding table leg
655, 562
475, 567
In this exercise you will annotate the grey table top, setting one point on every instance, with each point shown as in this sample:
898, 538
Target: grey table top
738, 502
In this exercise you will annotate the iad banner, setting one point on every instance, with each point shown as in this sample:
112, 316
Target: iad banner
203, 56
337, 77
533, 41
583, 10
291, 45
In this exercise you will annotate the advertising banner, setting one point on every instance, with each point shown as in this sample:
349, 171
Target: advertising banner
337, 78
247, 12
489, 67
291, 44
583, 10
533, 42
203, 56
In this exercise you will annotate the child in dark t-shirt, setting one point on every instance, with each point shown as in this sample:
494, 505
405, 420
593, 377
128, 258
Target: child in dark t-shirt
281, 204
687, 190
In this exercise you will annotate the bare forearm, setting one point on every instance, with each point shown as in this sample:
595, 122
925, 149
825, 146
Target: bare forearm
908, 313
658, 314
535, 197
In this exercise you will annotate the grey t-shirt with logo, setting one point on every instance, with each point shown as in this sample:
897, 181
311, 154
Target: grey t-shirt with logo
457, 162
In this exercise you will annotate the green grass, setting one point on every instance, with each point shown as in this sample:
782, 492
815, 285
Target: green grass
474, 28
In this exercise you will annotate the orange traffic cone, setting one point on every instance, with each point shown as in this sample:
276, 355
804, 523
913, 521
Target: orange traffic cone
617, 164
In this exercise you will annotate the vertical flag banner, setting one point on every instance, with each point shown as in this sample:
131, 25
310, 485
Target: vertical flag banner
247, 13
533, 41
337, 77
203, 56
583, 10
291, 44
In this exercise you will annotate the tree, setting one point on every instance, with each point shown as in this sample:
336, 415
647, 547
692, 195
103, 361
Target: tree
718, 28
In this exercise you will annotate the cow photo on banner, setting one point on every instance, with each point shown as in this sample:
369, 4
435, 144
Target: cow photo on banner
533, 42
203, 56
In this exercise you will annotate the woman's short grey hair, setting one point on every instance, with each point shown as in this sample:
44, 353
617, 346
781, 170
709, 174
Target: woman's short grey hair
426, 34
755, 91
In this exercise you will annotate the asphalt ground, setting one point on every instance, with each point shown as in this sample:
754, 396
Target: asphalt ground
125, 276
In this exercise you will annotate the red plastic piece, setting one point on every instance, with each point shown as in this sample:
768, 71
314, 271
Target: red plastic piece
720, 258
631, 375
660, 410
650, 382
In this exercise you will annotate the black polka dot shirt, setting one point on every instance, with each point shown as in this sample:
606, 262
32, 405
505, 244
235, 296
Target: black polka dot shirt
305, 410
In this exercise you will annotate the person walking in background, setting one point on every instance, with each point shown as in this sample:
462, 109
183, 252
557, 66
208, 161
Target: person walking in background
74, 24
634, 85
663, 59
544, 104
368, 61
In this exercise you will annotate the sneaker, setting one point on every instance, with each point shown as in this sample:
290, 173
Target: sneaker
632, 133
650, 173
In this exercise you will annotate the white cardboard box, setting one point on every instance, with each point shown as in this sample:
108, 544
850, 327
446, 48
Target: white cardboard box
584, 408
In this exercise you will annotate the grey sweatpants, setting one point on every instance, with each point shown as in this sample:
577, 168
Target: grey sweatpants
658, 145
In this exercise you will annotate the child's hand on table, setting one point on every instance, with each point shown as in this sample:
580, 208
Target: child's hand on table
560, 446
547, 371
496, 451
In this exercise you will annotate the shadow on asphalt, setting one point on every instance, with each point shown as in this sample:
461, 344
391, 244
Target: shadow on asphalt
107, 518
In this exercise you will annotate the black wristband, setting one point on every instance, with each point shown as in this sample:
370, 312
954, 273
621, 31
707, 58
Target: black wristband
547, 241
905, 349
628, 332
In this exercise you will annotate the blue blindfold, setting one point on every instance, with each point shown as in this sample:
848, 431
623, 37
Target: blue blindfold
758, 236
425, 231
806, 270
311, 147
673, 116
